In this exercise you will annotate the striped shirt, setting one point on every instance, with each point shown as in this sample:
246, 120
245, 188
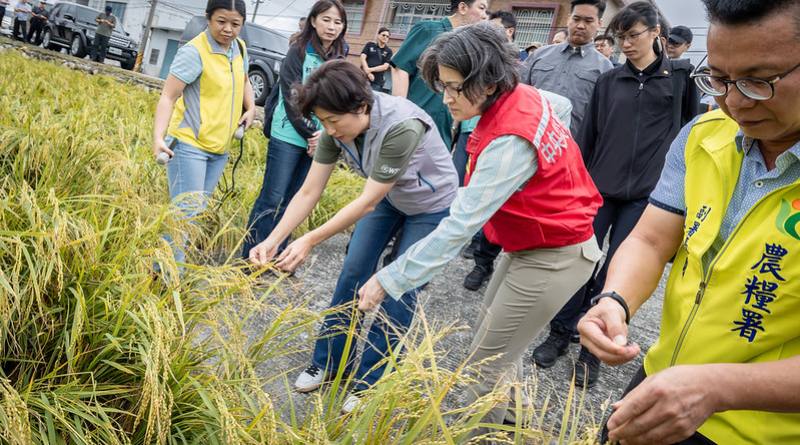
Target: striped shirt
755, 182
504, 167
510, 164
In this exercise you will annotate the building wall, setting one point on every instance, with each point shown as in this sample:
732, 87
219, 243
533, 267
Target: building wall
170, 14
612, 8
158, 42
378, 13
374, 12
168, 22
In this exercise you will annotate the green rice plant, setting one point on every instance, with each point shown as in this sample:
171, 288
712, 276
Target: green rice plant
96, 349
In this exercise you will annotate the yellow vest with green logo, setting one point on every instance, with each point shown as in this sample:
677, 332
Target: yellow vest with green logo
207, 114
744, 306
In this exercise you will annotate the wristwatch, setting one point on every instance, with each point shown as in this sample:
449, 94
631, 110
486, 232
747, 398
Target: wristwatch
616, 297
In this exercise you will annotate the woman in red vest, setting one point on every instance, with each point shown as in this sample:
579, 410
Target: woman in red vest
526, 182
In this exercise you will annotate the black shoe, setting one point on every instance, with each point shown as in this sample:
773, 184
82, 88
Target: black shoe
469, 251
587, 369
546, 354
475, 279
575, 338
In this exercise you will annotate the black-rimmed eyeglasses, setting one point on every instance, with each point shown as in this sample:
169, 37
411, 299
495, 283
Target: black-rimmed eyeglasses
752, 87
452, 90
633, 37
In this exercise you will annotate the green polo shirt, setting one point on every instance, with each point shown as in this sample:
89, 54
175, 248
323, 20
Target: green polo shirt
422, 34
399, 144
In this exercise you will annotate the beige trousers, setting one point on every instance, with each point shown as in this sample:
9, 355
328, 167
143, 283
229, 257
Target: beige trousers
528, 288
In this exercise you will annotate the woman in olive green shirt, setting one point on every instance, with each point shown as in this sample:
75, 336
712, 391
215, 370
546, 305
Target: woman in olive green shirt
410, 185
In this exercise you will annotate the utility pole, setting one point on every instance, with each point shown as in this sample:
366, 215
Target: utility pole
146, 36
255, 10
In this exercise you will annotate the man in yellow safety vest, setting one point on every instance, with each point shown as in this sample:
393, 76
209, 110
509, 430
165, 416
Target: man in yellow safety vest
726, 366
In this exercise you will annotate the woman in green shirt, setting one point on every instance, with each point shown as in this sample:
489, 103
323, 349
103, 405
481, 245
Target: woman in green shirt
410, 184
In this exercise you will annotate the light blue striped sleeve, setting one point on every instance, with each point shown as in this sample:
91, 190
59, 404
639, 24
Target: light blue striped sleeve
669, 193
187, 64
502, 169
561, 106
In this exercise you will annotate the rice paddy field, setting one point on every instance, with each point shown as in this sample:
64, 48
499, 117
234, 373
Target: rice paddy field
96, 350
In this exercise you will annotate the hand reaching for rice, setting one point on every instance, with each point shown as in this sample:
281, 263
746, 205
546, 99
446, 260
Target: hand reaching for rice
295, 254
371, 295
263, 252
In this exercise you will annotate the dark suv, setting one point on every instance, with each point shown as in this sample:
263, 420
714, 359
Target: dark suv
72, 26
266, 49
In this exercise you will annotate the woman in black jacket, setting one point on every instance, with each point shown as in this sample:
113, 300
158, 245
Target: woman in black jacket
293, 138
635, 112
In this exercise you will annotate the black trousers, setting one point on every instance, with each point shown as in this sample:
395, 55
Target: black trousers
695, 439
486, 252
20, 29
37, 26
619, 218
100, 48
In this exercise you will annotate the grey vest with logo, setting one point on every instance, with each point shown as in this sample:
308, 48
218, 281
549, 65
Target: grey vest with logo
430, 181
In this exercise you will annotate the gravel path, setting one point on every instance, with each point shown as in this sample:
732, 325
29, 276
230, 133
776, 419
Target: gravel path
446, 301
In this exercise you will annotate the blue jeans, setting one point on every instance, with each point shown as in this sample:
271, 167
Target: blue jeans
192, 175
371, 235
287, 167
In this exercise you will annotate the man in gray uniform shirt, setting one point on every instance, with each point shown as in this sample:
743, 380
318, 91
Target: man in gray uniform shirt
571, 68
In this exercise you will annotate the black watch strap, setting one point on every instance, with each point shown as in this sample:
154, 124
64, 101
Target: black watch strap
616, 297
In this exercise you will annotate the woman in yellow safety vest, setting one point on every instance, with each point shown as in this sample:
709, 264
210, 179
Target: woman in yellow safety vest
205, 98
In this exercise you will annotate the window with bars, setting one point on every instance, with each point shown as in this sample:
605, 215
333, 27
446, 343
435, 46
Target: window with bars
404, 14
154, 53
355, 15
533, 25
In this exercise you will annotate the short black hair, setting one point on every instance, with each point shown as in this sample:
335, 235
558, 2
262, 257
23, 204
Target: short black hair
337, 86
599, 4
507, 18
231, 5
454, 4
607, 38
741, 12
383, 29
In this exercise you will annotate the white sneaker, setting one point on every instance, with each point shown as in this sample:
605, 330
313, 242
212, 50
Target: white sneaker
309, 380
350, 403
